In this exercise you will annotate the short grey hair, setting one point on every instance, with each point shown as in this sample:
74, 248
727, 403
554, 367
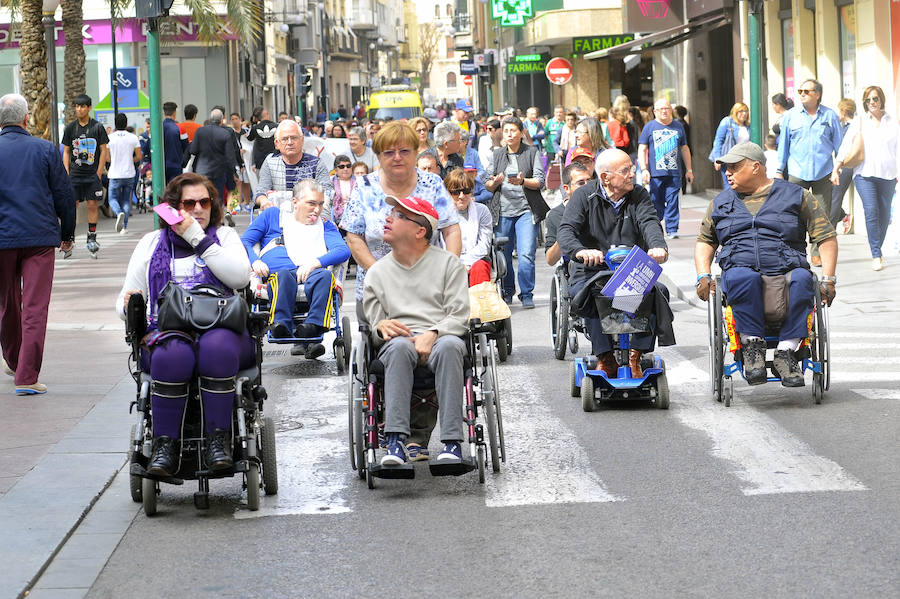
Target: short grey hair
445, 131
358, 132
306, 186
463, 135
287, 124
13, 109
216, 115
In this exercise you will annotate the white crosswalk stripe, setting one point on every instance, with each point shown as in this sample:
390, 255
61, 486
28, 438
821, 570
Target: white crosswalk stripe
767, 458
892, 394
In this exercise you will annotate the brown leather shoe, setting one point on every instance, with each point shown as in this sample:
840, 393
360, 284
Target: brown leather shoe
607, 363
634, 360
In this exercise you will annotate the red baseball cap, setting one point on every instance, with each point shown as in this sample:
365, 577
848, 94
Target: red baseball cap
417, 206
579, 152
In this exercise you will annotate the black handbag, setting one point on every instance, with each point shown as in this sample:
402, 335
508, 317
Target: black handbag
199, 309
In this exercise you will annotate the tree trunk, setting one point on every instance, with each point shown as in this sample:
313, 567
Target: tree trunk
33, 69
72, 22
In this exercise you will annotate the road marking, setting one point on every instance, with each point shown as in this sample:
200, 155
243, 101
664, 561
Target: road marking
878, 393
311, 443
768, 458
534, 473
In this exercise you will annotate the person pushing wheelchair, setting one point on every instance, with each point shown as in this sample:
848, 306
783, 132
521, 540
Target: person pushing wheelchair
417, 299
605, 212
761, 225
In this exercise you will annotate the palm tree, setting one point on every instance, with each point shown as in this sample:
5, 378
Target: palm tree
73, 58
33, 68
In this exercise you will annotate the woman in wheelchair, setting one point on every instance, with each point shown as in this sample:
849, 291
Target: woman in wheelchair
475, 224
297, 248
196, 250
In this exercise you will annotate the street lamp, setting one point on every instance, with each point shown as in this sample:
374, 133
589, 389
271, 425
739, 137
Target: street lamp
324, 40
49, 21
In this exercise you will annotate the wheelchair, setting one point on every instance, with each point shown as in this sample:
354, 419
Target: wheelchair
500, 332
814, 353
365, 403
253, 432
593, 385
564, 325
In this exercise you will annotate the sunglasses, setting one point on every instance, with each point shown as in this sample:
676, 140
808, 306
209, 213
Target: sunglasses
341, 166
189, 204
872, 99
803, 92
461, 190
396, 214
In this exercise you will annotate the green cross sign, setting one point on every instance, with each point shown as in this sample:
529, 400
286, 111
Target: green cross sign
512, 13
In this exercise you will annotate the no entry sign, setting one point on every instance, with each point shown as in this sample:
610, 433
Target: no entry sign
467, 80
559, 71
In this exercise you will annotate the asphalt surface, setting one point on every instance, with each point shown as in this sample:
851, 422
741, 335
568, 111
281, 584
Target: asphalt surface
774, 496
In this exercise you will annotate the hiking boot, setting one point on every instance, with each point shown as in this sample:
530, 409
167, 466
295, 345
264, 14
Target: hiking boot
163, 457
787, 368
754, 352
218, 450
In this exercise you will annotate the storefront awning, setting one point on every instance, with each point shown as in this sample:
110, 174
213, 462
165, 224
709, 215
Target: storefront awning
662, 39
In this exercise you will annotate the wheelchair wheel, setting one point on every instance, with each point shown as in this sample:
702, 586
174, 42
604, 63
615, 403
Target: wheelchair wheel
488, 397
502, 343
252, 477
134, 481
269, 462
587, 394
574, 389
507, 330
355, 415
347, 336
573, 341
559, 319
662, 388
498, 414
148, 496
715, 324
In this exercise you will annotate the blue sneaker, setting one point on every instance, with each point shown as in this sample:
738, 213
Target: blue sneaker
395, 454
528, 303
382, 439
451, 452
417, 453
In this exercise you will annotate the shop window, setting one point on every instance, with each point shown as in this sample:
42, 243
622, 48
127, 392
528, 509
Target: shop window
847, 32
449, 10
451, 45
437, 11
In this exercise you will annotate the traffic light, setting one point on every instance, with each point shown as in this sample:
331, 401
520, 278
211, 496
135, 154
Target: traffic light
302, 78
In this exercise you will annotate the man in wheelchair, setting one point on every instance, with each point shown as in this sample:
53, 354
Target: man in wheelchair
605, 212
296, 248
761, 225
417, 299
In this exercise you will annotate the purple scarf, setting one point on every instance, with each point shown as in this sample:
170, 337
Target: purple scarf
160, 271
338, 201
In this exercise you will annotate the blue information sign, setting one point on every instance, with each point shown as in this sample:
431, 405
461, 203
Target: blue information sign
128, 84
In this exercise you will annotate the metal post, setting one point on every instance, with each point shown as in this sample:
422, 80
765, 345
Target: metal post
50, 42
325, 86
755, 50
115, 78
154, 78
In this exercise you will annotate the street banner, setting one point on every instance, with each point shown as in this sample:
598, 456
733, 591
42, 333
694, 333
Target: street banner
632, 280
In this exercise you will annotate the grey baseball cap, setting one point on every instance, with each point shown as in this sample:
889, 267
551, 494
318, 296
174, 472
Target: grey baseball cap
431, 114
743, 151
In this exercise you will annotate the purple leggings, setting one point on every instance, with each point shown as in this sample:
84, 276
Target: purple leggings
218, 353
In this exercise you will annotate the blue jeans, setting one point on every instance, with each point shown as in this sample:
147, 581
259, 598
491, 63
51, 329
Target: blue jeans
522, 233
319, 287
664, 193
876, 196
120, 191
744, 289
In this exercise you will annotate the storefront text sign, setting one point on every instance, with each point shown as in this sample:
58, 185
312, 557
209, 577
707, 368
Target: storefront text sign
583, 45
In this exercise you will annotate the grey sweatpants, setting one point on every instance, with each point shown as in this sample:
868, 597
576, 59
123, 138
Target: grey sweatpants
446, 360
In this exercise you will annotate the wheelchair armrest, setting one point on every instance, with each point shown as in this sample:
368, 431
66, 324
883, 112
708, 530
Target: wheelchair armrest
500, 241
257, 323
135, 319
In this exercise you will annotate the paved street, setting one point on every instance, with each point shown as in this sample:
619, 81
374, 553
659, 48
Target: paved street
774, 496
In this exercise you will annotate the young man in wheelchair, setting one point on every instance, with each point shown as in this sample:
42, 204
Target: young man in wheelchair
573, 176
761, 225
605, 212
417, 299
296, 248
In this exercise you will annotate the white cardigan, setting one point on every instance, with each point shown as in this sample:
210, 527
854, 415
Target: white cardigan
227, 261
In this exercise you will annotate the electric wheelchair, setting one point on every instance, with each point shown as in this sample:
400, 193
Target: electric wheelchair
253, 432
564, 324
481, 408
814, 353
501, 331
593, 385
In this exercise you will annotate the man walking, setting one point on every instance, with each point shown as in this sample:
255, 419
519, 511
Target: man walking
124, 151
659, 146
175, 141
810, 135
85, 154
214, 149
37, 211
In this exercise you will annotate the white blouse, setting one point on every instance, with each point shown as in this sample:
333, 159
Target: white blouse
880, 143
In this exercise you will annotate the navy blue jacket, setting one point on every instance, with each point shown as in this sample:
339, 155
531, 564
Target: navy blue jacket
173, 144
36, 196
773, 242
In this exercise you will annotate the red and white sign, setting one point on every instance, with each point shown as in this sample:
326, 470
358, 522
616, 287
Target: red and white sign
467, 80
559, 71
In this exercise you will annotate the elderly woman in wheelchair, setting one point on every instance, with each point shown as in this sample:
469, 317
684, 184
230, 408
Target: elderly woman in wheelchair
761, 225
297, 248
194, 253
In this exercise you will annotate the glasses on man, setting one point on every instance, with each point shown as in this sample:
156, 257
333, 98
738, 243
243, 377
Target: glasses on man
733, 168
460, 190
389, 154
624, 171
342, 165
396, 214
290, 139
803, 92
189, 204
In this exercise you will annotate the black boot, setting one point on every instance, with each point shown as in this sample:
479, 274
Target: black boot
218, 451
164, 457
754, 352
785, 364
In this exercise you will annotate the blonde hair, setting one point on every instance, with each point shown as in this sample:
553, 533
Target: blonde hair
739, 106
395, 133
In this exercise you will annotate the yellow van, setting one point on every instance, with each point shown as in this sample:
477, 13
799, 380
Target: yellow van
397, 102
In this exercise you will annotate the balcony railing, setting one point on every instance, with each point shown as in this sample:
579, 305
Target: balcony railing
362, 18
462, 22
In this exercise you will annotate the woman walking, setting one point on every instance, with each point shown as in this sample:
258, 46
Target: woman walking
732, 130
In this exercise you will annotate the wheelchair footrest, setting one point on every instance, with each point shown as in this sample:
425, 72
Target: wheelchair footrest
464, 466
201, 501
138, 470
405, 471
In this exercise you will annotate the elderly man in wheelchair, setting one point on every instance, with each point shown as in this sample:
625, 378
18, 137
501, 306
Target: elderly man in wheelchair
606, 212
761, 225
296, 248
417, 300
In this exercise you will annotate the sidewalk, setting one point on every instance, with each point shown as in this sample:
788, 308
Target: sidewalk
60, 451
